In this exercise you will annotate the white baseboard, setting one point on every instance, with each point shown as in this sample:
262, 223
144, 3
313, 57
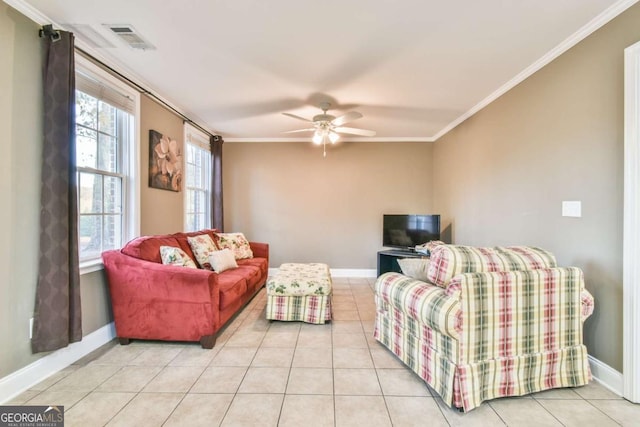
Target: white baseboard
23, 379
606, 375
342, 272
353, 272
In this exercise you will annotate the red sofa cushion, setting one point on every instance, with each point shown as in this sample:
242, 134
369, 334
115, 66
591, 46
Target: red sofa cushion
261, 263
148, 247
251, 273
232, 285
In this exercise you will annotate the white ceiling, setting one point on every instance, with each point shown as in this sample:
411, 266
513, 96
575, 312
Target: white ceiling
414, 68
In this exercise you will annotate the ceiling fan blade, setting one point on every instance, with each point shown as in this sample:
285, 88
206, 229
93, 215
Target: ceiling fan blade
349, 117
297, 117
354, 131
300, 130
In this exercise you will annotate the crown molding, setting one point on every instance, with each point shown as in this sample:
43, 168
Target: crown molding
342, 139
41, 19
30, 12
589, 28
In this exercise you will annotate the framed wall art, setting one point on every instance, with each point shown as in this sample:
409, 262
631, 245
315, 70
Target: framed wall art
165, 162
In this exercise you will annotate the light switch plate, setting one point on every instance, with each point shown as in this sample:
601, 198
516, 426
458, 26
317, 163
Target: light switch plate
572, 208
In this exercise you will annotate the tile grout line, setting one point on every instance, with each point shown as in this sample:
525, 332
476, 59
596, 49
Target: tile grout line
187, 392
247, 320
601, 411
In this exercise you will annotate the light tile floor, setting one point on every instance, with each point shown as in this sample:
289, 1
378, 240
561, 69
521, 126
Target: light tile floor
263, 373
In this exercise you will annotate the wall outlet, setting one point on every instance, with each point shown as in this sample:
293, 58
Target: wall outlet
572, 209
31, 328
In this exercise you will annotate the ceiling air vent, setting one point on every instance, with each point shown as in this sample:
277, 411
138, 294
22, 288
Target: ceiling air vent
130, 36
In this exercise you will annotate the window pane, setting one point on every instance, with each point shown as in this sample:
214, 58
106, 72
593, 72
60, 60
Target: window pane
197, 178
86, 110
103, 135
108, 153
198, 182
189, 224
190, 153
189, 202
200, 202
112, 232
112, 194
86, 147
107, 118
90, 239
191, 172
90, 193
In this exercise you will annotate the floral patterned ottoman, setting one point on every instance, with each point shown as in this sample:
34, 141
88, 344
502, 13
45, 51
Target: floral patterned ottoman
300, 292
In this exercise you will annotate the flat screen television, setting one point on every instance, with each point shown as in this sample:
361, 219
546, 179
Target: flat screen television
407, 231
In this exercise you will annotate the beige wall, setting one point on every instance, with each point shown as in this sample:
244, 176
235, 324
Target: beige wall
310, 208
21, 118
161, 211
502, 175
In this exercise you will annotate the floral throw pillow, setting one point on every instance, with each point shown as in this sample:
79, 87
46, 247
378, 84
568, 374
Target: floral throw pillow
238, 244
202, 246
175, 256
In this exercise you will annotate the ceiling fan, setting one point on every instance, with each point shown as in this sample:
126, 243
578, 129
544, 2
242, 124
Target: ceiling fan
327, 127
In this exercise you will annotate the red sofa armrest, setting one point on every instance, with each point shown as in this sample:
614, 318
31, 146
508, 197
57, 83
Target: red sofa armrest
134, 282
260, 250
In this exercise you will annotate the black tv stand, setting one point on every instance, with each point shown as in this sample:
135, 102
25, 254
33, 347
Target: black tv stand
388, 259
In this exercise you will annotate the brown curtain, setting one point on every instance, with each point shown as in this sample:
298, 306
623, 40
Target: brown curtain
57, 317
217, 213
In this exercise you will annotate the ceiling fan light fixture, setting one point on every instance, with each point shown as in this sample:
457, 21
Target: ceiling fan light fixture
327, 128
318, 137
333, 137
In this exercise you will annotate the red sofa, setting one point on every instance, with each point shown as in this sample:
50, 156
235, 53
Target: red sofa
153, 301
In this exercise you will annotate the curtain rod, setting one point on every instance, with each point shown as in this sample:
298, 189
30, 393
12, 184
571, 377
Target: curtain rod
140, 89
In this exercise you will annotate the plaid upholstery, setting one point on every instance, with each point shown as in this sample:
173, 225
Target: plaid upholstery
429, 353
404, 326
300, 292
447, 261
418, 300
302, 308
509, 333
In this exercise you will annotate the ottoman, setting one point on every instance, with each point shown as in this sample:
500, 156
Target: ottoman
300, 292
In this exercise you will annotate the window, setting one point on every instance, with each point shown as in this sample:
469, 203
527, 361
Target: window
105, 138
197, 201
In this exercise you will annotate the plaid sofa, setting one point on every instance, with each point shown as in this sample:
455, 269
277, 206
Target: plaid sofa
494, 322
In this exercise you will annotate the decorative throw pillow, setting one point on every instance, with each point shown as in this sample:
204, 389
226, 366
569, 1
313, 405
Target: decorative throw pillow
175, 256
237, 243
222, 260
202, 246
416, 268
433, 244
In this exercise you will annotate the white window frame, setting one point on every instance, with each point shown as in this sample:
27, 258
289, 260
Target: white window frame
197, 138
130, 156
